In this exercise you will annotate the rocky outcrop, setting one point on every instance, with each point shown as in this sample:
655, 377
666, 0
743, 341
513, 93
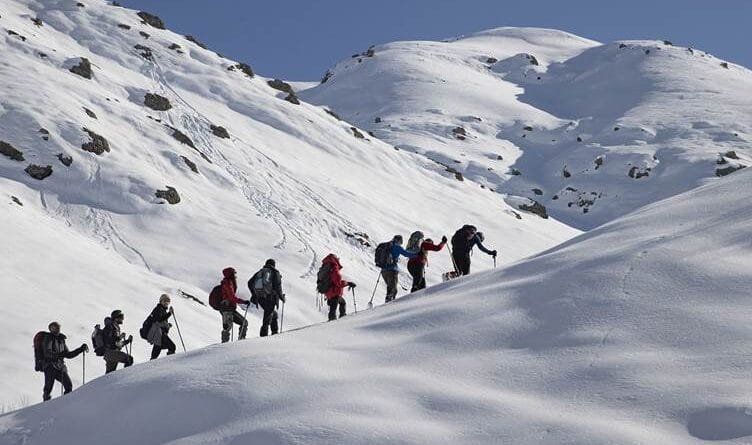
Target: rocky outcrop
83, 68
157, 102
190, 164
219, 132
170, 195
38, 172
151, 20
293, 99
280, 85
244, 67
65, 160
182, 138
357, 133
196, 41
98, 144
10, 151
534, 207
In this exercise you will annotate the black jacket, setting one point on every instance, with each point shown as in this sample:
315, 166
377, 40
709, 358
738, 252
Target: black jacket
276, 291
111, 334
159, 314
55, 350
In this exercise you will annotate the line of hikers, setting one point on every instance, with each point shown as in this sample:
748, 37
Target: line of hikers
265, 287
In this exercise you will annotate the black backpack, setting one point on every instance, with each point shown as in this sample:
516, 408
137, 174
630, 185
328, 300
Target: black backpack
459, 239
323, 278
97, 340
215, 297
146, 327
383, 256
39, 339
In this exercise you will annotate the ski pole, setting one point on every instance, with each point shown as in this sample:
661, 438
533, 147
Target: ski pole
370, 302
84, 371
454, 264
494, 261
281, 316
177, 326
355, 303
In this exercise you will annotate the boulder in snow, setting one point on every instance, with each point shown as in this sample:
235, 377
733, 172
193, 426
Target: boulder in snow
220, 132
83, 68
157, 102
38, 172
534, 207
97, 145
65, 160
280, 85
151, 20
170, 195
10, 151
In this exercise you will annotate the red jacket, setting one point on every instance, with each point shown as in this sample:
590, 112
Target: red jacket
230, 287
335, 277
422, 257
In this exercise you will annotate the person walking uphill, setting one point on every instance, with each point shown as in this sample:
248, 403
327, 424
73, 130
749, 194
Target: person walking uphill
114, 340
52, 350
156, 328
330, 283
266, 290
463, 242
223, 299
387, 258
417, 265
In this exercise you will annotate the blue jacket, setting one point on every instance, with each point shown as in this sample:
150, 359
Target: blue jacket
476, 241
397, 250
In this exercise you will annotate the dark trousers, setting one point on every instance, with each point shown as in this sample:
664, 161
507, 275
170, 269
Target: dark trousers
112, 357
462, 262
418, 272
333, 303
230, 317
167, 343
270, 317
50, 376
391, 278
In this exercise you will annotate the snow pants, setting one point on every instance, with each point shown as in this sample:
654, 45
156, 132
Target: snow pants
418, 272
50, 376
270, 318
333, 304
391, 278
230, 317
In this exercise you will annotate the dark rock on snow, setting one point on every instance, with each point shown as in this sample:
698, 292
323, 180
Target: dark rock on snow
195, 40
538, 192
280, 85
151, 20
535, 207
16, 200
332, 114
145, 52
728, 170
83, 69
124, 26
157, 102
15, 34
145, 35
190, 164
90, 113
182, 138
293, 99
65, 160
10, 151
170, 195
357, 133
97, 145
220, 132
244, 67
38, 172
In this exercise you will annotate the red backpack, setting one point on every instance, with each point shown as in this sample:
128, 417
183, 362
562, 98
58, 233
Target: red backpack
216, 297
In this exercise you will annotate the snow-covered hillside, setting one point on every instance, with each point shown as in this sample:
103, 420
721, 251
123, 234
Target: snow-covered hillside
590, 131
635, 333
101, 110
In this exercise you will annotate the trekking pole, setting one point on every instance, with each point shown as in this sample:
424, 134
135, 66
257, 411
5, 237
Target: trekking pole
370, 302
84, 371
494, 261
454, 264
281, 316
177, 326
355, 303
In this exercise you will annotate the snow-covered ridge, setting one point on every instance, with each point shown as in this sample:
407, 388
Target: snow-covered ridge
636, 332
590, 131
92, 158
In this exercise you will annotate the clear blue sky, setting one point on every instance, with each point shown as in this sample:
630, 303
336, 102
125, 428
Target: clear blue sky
299, 40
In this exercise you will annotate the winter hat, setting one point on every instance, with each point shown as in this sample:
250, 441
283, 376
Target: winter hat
228, 272
54, 323
163, 298
270, 263
397, 239
117, 313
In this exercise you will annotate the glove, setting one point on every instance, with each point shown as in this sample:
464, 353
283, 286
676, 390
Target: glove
85, 347
130, 339
247, 302
351, 285
171, 310
282, 297
493, 254
444, 239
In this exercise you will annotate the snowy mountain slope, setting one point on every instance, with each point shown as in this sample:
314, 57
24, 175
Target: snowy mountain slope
276, 180
589, 131
636, 332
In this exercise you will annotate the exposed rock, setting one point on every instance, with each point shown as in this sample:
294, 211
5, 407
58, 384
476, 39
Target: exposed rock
499, 157
37, 21
174, 46
535, 207
369, 52
10, 151
636, 173
731, 155
45, 134
145, 52
190, 164
721, 160
565, 172
377, 120
579, 138
195, 40
16, 200
459, 131
457, 175
244, 67
361, 238
333, 114
151, 20
622, 45
668, 43
90, 113
280, 85
80, 5
292, 98
647, 51
616, 128
145, 35
65, 160
555, 197
532, 59
170, 195
123, 26
491, 60
538, 192
725, 65
97, 145
38, 172
728, 170
527, 128
182, 138
15, 34
598, 162
157, 102
357, 133
327, 75
570, 189
220, 132
83, 69
514, 172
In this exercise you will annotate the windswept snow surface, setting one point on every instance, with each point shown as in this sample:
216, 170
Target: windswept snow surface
635, 333
291, 182
591, 131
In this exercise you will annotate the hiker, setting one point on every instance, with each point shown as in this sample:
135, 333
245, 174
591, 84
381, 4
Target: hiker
417, 265
156, 328
331, 284
266, 290
390, 265
463, 242
114, 340
228, 305
51, 361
